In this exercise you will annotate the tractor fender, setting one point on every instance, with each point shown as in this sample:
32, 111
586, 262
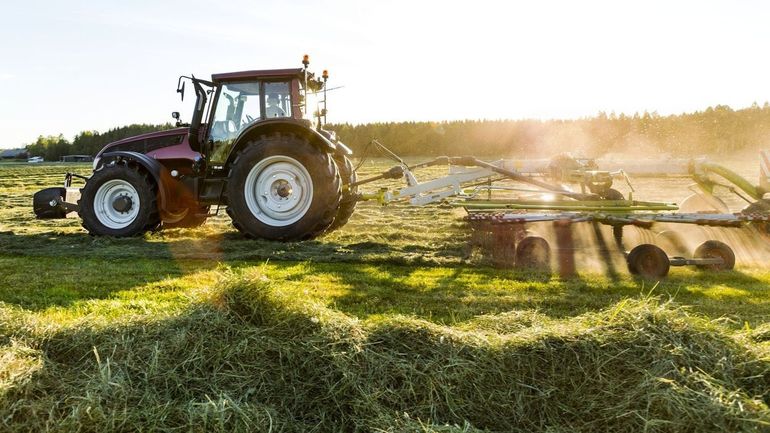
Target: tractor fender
158, 171
287, 126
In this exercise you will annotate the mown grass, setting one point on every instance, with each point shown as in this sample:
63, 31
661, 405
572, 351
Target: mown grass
242, 352
391, 324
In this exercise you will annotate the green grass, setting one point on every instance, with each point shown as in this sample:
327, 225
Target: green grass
393, 323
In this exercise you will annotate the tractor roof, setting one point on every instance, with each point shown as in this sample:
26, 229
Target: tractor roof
262, 75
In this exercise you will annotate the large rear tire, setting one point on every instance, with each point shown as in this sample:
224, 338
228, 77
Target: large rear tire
119, 200
283, 188
349, 193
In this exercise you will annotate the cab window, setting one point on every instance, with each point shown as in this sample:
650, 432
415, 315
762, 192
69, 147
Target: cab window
277, 100
238, 105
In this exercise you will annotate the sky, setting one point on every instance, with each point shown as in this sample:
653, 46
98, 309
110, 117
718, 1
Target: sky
71, 66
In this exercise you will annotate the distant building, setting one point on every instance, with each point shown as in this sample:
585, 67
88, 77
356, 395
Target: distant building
14, 154
77, 158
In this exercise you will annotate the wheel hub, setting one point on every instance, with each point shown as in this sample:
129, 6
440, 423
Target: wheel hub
116, 204
122, 204
282, 188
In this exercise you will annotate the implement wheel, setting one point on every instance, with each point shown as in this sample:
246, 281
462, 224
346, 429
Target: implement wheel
712, 250
283, 188
119, 200
533, 253
648, 261
613, 194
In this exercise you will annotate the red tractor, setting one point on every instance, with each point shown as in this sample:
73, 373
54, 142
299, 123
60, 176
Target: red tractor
255, 144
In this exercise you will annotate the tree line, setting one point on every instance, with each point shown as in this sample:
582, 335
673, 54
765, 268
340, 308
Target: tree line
716, 130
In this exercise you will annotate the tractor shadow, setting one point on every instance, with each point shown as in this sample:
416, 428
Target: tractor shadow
440, 284
460, 293
59, 268
55, 269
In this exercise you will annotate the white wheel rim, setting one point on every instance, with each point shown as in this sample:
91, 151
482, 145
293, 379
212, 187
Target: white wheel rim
278, 191
105, 198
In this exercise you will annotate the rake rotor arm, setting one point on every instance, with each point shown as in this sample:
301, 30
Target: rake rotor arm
435, 190
701, 169
399, 170
474, 162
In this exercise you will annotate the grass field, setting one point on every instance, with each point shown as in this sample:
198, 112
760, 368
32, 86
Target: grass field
393, 323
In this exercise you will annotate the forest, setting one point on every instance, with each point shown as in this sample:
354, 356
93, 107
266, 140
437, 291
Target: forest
716, 130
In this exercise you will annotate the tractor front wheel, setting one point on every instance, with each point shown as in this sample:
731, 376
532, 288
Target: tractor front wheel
119, 200
283, 188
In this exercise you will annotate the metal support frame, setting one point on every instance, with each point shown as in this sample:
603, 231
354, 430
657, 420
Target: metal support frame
462, 171
435, 190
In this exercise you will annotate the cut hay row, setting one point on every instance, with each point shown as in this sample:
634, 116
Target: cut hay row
246, 355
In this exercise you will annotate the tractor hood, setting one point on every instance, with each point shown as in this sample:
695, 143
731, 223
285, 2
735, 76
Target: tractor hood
144, 143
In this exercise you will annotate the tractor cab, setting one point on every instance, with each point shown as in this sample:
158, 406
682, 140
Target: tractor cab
245, 102
244, 99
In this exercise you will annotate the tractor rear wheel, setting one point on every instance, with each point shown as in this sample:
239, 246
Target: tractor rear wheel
119, 200
349, 193
283, 188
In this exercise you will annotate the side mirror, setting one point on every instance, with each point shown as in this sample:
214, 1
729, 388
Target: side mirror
175, 115
180, 90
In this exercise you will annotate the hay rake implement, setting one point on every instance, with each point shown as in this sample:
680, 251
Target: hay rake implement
535, 193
